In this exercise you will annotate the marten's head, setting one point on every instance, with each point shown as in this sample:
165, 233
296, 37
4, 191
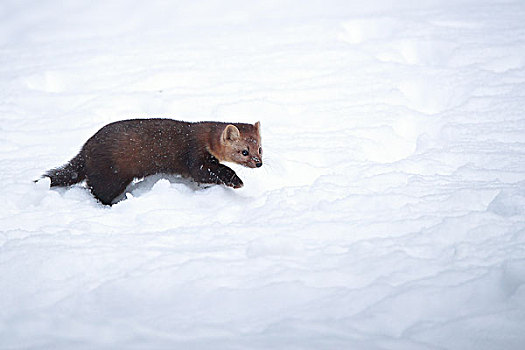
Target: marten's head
241, 144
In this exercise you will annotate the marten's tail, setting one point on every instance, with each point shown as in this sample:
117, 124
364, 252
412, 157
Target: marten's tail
68, 174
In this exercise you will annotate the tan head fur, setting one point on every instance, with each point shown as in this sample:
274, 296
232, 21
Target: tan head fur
241, 144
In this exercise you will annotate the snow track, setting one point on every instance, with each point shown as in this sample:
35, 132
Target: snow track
389, 213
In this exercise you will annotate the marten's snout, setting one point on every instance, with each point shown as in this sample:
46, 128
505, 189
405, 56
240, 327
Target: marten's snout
257, 161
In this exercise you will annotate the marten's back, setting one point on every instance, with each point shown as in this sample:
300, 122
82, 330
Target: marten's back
141, 147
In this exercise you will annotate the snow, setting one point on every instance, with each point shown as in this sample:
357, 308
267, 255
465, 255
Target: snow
389, 212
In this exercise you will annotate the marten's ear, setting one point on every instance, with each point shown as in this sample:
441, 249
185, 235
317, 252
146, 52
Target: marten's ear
230, 133
257, 126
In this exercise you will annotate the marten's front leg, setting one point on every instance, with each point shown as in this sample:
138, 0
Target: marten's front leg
216, 173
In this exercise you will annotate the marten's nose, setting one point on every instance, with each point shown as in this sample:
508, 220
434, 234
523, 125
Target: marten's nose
257, 161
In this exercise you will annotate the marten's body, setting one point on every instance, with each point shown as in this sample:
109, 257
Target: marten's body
128, 149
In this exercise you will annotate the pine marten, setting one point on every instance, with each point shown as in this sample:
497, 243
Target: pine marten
128, 149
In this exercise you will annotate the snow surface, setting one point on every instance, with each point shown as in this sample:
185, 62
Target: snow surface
389, 213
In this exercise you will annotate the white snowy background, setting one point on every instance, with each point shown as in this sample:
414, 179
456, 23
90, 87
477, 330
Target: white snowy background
389, 213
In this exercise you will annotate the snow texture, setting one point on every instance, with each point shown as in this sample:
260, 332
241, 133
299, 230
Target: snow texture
389, 213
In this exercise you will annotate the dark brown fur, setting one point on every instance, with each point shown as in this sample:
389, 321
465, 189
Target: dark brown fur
128, 149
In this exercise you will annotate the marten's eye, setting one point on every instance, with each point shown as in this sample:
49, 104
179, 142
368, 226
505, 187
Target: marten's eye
245, 153
260, 150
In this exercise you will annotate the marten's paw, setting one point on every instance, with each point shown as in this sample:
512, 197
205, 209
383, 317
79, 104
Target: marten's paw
235, 182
